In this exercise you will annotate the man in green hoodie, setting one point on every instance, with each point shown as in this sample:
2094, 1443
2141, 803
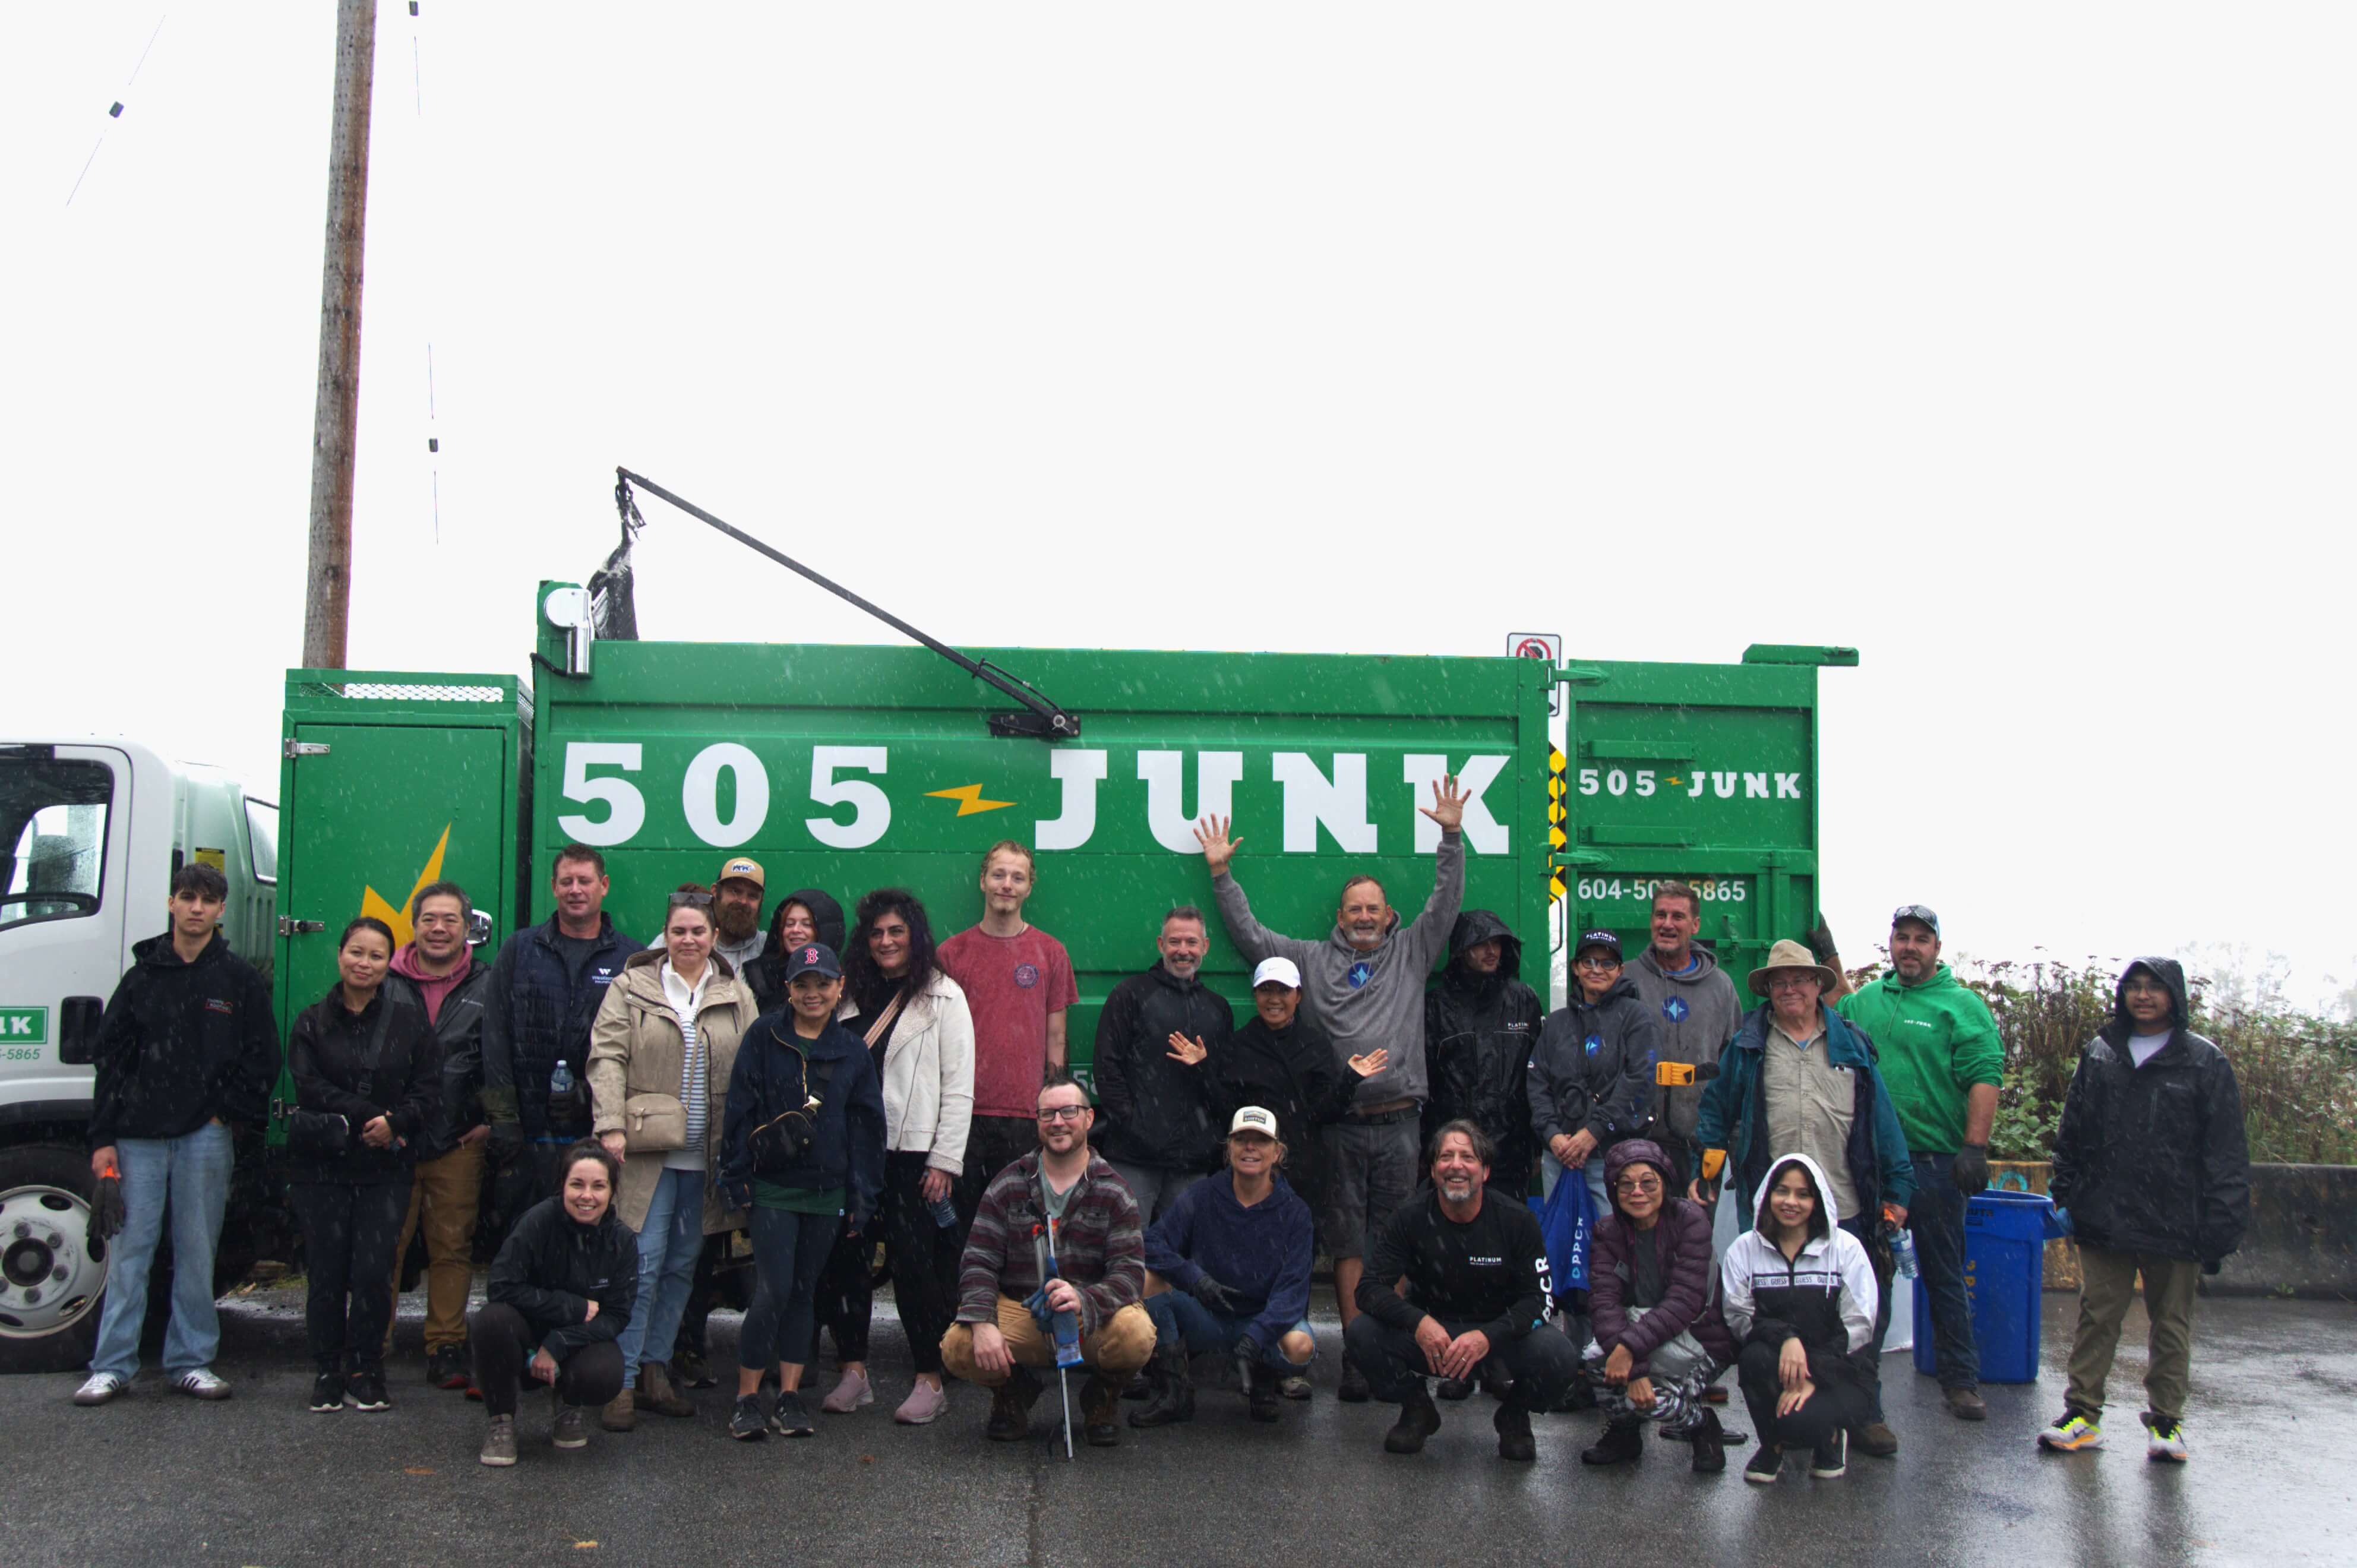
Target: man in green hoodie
1943, 1063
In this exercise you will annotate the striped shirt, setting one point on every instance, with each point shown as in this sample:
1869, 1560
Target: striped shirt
694, 1090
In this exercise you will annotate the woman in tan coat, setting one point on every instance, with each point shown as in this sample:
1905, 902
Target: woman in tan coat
660, 1057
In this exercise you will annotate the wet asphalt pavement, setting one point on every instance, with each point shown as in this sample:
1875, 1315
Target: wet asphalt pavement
158, 1478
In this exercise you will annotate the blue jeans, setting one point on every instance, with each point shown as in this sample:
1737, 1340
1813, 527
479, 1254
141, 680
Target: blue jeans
669, 1244
1179, 1316
1936, 1219
192, 1171
1864, 1228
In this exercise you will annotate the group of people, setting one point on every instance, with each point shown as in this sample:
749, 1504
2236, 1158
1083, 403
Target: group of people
817, 1091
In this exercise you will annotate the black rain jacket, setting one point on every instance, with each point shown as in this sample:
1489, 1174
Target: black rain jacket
766, 974
458, 1031
330, 1051
1292, 1073
180, 1044
2152, 1158
540, 1008
553, 1266
1478, 1033
1160, 1113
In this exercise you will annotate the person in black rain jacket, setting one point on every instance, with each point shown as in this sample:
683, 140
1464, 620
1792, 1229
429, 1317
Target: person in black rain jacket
1158, 1094
363, 1054
1481, 1022
2151, 1164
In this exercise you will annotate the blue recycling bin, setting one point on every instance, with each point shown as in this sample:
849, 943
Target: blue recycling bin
2005, 1273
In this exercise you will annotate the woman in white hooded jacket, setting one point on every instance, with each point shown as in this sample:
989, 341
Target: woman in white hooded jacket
1799, 1295
915, 1021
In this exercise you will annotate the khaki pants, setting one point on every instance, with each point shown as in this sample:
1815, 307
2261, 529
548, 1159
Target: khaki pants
2106, 1284
443, 1197
1120, 1347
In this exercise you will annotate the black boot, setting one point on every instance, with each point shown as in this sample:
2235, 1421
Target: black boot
1170, 1390
1419, 1418
1260, 1391
1514, 1425
1623, 1441
1709, 1445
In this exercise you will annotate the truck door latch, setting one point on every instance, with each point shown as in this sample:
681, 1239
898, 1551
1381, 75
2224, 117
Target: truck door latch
289, 927
295, 748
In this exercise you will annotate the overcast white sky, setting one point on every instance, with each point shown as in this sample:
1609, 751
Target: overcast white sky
2010, 344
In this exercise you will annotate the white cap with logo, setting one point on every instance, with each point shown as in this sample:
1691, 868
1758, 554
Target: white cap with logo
1276, 972
1251, 1118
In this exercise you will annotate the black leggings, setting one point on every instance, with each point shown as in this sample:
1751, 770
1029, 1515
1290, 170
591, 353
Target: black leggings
789, 1249
921, 1257
504, 1343
1840, 1400
350, 1230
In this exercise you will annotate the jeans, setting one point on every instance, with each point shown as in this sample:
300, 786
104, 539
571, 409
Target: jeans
789, 1249
349, 1230
1542, 1363
447, 1193
1936, 1220
669, 1244
504, 1343
1156, 1187
192, 1171
1178, 1317
1864, 1228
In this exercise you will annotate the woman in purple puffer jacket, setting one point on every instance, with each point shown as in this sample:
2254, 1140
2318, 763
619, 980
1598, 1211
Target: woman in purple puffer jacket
1659, 1338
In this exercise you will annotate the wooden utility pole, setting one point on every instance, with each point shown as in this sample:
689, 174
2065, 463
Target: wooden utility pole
336, 427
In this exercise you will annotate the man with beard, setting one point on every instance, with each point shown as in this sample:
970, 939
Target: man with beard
1477, 1287
737, 913
1153, 1084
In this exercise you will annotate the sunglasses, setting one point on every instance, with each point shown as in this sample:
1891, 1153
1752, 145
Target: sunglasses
690, 901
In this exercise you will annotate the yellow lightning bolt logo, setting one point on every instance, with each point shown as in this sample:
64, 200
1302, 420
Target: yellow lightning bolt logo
372, 902
969, 800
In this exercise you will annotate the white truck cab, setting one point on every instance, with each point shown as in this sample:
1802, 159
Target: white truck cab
91, 831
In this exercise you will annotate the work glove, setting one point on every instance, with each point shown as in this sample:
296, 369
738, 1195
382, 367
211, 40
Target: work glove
1820, 940
106, 1215
1970, 1171
1213, 1294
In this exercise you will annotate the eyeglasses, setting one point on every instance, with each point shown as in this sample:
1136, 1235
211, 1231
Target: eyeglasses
1638, 1184
1599, 964
1063, 1112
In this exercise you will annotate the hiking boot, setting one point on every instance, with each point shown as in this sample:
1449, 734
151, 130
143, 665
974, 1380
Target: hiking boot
1623, 1442
2164, 1440
2071, 1430
746, 1422
366, 1392
1294, 1388
1419, 1418
499, 1442
1875, 1440
102, 1387
1514, 1425
656, 1393
850, 1391
445, 1367
1965, 1403
1767, 1462
201, 1382
1452, 1390
1831, 1459
572, 1426
1709, 1440
1260, 1393
1010, 1407
326, 1394
621, 1412
689, 1369
1101, 1409
1171, 1389
1354, 1390
789, 1417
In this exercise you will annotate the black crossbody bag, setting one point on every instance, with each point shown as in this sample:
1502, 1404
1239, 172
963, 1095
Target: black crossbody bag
777, 1145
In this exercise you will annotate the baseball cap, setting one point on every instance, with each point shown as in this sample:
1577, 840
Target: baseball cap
1276, 972
745, 866
1253, 1119
1921, 912
1604, 939
812, 956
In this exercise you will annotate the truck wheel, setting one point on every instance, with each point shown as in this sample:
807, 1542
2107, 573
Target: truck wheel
49, 1284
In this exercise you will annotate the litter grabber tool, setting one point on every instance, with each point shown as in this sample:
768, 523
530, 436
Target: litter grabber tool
1062, 1327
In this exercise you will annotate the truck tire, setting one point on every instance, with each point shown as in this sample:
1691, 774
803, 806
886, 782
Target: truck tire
49, 1285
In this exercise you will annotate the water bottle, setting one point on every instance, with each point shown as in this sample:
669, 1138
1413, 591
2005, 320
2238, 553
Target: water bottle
943, 1212
560, 1083
1902, 1245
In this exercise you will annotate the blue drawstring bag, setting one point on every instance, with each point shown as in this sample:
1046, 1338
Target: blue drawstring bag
1567, 1221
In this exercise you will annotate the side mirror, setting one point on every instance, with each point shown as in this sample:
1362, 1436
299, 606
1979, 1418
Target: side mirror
479, 928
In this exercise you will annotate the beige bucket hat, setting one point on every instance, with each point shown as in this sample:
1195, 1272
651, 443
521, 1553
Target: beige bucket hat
1790, 955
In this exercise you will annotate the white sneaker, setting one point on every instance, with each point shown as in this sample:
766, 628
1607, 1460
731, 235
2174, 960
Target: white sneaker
101, 1388
2164, 1440
201, 1382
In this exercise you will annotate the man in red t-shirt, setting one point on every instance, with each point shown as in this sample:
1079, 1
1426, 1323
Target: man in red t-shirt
1018, 982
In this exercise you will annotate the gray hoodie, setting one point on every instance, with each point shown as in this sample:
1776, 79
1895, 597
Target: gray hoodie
1697, 1013
1362, 1000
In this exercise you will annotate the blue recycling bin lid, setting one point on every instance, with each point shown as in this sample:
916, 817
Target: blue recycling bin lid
2013, 1216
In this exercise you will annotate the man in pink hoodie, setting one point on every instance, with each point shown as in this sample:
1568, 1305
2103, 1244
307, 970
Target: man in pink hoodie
447, 1192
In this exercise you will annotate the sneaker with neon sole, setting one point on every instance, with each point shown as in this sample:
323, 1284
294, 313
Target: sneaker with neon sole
2164, 1440
2072, 1431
